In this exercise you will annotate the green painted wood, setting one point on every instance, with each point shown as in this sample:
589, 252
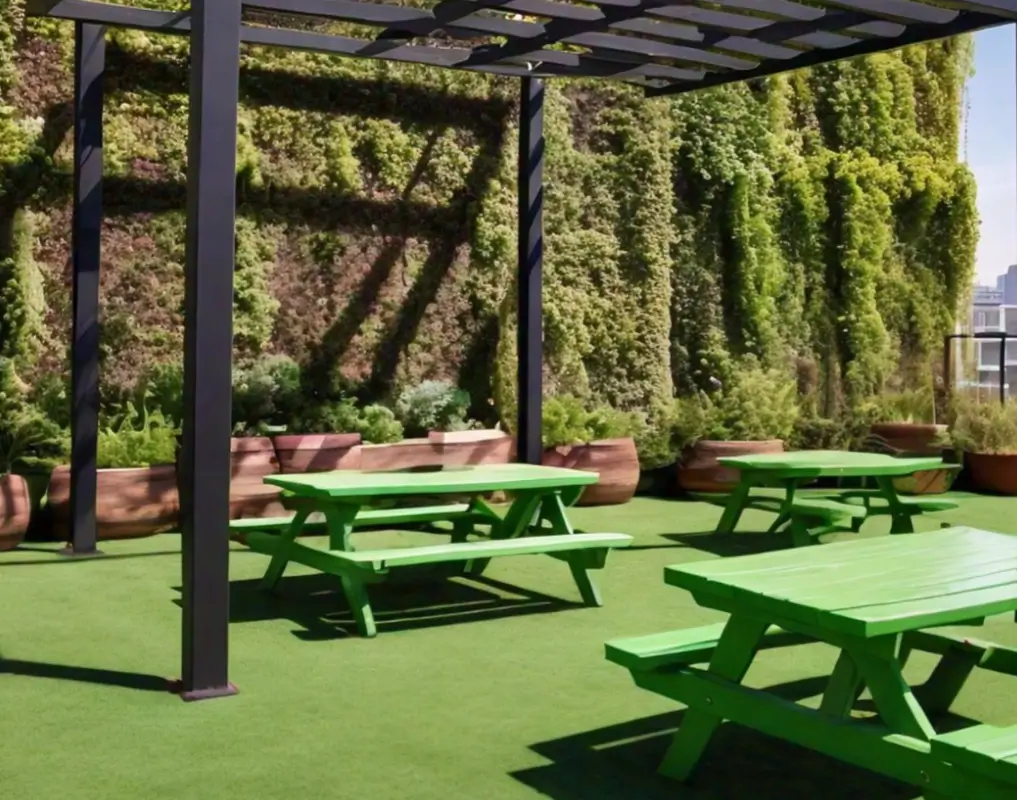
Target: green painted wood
686, 646
730, 661
984, 749
843, 688
382, 560
479, 479
280, 554
829, 463
322, 560
940, 691
897, 706
824, 508
360, 605
868, 588
917, 504
987, 655
867, 745
367, 516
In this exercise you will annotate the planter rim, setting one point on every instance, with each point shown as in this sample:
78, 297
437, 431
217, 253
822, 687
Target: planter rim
290, 440
739, 442
1010, 454
67, 468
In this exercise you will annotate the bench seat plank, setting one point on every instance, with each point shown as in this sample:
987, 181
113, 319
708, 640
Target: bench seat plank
368, 516
986, 749
381, 560
681, 647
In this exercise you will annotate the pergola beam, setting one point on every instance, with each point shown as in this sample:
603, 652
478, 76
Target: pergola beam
529, 279
208, 346
86, 233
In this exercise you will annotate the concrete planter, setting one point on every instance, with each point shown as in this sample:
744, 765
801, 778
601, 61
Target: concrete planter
701, 471
251, 459
317, 452
995, 473
15, 511
461, 448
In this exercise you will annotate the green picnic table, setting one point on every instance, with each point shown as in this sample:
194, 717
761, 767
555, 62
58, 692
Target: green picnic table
875, 601
794, 469
535, 522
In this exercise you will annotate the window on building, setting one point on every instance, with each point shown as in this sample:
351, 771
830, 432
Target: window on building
988, 355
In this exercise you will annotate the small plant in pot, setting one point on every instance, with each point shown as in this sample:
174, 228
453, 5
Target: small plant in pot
439, 411
755, 414
27, 440
986, 433
136, 492
598, 439
905, 425
327, 435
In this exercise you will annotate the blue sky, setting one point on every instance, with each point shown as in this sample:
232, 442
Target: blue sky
992, 148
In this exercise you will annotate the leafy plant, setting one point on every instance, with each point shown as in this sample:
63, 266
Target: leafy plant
985, 427
433, 406
758, 404
139, 438
163, 386
910, 405
374, 423
266, 393
27, 437
566, 421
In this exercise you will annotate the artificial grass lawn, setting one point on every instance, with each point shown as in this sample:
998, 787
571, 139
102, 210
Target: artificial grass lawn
471, 690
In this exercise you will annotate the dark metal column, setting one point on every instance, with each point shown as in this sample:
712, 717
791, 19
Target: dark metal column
531, 258
208, 346
86, 227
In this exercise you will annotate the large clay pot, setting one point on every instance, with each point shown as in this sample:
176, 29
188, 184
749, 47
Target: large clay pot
251, 459
614, 460
131, 502
993, 473
700, 470
460, 448
407, 454
15, 511
911, 439
317, 452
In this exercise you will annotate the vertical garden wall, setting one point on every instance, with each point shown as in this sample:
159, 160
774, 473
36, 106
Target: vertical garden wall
818, 223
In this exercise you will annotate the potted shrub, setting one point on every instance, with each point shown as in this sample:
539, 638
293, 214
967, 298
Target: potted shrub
906, 426
136, 491
986, 433
754, 415
598, 440
324, 437
438, 410
27, 438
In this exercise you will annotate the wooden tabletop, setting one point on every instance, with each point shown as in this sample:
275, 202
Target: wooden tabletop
831, 463
477, 479
869, 587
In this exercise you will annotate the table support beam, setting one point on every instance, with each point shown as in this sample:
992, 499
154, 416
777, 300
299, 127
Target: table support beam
208, 346
531, 257
86, 229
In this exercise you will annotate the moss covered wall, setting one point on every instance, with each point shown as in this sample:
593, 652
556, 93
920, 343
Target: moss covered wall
819, 221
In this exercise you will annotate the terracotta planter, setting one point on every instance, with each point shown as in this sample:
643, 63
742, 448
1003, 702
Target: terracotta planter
15, 511
614, 460
906, 438
251, 459
700, 470
993, 473
460, 448
132, 502
317, 452
407, 454
910, 439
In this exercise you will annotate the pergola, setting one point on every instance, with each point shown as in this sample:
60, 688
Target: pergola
666, 46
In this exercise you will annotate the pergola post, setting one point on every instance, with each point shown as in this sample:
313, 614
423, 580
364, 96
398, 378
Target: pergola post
208, 346
86, 227
530, 274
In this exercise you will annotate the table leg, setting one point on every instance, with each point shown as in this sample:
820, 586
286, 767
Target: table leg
735, 505
896, 704
281, 556
735, 650
553, 510
784, 515
900, 515
843, 688
516, 521
938, 693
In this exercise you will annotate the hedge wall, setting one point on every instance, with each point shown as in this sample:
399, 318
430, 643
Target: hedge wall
819, 221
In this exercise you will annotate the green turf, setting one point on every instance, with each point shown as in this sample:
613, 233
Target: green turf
493, 690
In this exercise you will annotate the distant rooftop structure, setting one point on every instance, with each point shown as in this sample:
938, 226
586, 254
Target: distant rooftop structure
987, 296
1007, 284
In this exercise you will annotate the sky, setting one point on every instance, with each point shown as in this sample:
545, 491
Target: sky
991, 148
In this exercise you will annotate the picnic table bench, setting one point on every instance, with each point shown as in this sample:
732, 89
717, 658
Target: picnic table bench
875, 601
792, 470
535, 523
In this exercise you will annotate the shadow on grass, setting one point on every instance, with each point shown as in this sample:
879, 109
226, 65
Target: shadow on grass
57, 558
102, 677
316, 603
620, 761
